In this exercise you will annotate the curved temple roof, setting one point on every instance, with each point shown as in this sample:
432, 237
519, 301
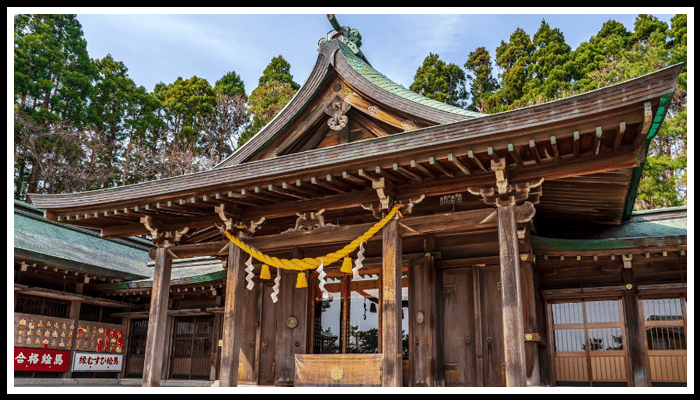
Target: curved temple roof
355, 69
559, 141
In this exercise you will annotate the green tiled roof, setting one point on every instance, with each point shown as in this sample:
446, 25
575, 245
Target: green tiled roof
384, 83
75, 248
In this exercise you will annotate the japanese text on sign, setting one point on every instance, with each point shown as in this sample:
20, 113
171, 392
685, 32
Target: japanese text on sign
97, 362
41, 360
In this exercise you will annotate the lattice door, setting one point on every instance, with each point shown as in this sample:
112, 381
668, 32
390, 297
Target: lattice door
589, 339
667, 354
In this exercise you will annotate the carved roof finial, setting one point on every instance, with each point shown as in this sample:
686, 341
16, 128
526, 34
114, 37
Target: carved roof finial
350, 37
333, 21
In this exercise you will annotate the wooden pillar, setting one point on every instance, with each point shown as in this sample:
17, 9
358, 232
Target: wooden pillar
230, 348
391, 305
634, 325
155, 336
513, 333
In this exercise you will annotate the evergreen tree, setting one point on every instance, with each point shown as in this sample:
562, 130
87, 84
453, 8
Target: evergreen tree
483, 84
53, 81
189, 106
550, 69
513, 58
276, 87
230, 84
440, 81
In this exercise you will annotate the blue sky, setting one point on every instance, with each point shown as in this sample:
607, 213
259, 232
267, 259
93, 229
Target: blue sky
159, 45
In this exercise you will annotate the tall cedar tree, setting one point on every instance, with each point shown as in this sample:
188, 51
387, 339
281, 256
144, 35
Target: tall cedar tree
440, 81
53, 80
275, 88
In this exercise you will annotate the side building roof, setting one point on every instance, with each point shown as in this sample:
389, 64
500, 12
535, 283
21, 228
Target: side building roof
41, 240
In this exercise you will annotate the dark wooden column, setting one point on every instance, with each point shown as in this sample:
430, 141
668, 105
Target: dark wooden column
155, 336
391, 305
636, 347
230, 348
513, 327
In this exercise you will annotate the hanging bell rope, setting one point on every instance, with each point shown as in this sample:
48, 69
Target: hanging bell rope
313, 263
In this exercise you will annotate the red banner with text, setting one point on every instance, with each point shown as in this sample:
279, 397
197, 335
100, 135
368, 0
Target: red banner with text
27, 359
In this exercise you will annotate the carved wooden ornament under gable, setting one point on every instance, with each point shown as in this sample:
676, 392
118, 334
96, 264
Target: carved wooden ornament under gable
337, 109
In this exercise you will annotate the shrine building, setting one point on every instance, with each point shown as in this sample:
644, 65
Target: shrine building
369, 236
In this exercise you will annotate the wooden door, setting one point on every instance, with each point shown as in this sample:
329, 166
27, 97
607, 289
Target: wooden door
472, 327
136, 348
459, 328
192, 348
268, 333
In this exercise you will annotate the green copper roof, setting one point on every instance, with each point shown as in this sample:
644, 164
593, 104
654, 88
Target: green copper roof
388, 85
75, 248
661, 227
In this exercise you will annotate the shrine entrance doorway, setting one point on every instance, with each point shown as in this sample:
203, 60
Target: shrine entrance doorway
472, 327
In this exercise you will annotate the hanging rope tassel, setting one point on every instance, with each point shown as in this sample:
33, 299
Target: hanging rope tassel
265, 272
301, 280
347, 266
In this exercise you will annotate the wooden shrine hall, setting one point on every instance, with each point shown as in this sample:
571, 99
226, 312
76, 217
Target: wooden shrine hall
369, 236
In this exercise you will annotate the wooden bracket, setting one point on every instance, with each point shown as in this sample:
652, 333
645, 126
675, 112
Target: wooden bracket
406, 206
523, 214
310, 220
163, 238
627, 261
505, 193
237, 228
386, 192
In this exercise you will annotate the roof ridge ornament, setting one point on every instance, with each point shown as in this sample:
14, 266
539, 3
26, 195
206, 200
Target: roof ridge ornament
350, 37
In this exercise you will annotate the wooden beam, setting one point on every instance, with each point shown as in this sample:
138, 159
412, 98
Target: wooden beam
472, 219
370, 125
597, 139
618, 137
169, 224
157, 330
555, 149
231, 329
284, 190
392, 364
459, 164
476, 161
513, 325
492, 153
533, 151
323, 183
436, 164
577, 144
514, 153
408, 174
418, 166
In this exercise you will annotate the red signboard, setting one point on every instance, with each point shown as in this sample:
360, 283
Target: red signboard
27, 359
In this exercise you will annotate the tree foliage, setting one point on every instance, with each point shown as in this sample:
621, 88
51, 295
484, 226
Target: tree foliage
275, 88
440, 81
82, 124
